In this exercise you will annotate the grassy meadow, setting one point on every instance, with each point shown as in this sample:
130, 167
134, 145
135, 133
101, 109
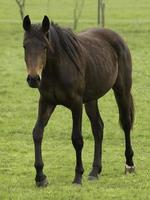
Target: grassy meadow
18, 111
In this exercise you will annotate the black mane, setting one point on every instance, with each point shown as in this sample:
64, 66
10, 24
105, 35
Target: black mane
65, 40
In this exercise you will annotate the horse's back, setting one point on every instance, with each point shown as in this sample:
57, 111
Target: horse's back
107, 35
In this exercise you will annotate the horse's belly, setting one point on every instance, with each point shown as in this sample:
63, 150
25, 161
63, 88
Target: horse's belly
100, 82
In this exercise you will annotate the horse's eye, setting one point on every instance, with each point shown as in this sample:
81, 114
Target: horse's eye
24, 46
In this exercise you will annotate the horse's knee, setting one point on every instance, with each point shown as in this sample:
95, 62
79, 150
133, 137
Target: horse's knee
37, 134
77, 142
98, 127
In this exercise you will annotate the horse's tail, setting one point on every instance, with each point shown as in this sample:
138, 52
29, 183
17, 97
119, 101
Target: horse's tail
124, 80
132, 111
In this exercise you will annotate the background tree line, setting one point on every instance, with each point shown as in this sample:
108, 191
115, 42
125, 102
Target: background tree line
77, 11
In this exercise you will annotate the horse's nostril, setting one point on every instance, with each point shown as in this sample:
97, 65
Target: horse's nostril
33, 81
37, 78
29, 78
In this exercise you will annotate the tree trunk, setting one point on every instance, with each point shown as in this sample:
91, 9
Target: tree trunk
21, 4
79, 4
101, 13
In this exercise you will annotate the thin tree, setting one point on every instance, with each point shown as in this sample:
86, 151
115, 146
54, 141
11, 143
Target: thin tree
21, 4
79, 4
101, 13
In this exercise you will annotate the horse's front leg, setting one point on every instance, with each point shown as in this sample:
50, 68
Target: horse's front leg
77, 140
44, 112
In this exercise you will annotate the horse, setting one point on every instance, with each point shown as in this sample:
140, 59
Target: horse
75, 70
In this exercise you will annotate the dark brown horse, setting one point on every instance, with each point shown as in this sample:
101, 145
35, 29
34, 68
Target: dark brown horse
75, 69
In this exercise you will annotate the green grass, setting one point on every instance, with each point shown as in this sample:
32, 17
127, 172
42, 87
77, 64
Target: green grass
18, 110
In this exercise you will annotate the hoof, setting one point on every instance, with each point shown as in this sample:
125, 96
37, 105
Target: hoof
129, 169
77, 184
43, 183
77, 181
92, 178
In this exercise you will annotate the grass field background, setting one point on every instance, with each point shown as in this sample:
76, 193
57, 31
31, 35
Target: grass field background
18, 110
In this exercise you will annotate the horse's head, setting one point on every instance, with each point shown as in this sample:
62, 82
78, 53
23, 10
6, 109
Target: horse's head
35, 47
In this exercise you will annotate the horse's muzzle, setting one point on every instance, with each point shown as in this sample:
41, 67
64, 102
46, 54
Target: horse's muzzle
33, 82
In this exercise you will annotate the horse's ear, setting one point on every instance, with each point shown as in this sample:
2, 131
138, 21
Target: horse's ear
45, 24
26, 23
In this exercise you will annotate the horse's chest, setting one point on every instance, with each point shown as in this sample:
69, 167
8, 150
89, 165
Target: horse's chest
55, 93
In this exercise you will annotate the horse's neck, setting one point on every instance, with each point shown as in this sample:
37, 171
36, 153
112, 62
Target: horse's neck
62, 71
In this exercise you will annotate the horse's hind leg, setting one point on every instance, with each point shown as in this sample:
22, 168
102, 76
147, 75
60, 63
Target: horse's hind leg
97, 129
126, 117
